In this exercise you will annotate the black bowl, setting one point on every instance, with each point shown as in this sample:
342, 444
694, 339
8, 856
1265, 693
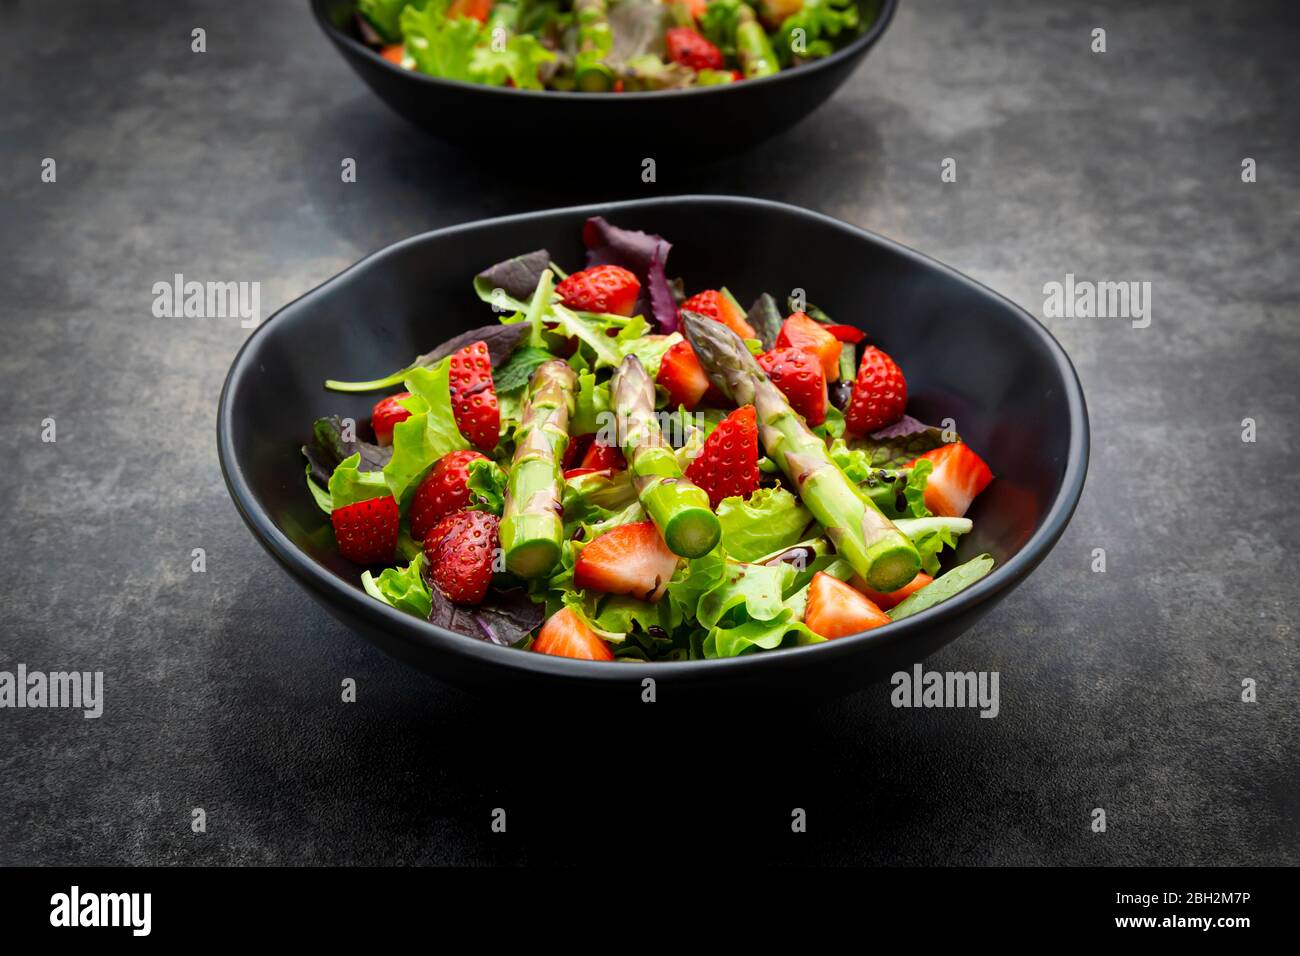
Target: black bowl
968, 354
699, 124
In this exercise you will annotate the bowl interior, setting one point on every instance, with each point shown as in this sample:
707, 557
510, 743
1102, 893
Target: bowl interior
968, 354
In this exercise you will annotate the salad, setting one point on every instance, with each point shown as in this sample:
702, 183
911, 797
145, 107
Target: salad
602, 46
615, 470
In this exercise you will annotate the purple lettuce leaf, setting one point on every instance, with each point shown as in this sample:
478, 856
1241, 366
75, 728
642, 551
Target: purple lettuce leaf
642, 254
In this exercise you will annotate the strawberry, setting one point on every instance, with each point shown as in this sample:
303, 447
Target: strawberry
575, 449
834, 609
459, 552
443, 490
800, 376
712, 304
473, 398
387, 413
688, 48
846, 333
393, 53
681, 373
630, 559
728, 463
566, 635
367, 530
600, 456
893, 598
610, 289
696, 8
879, 395
801, 332
959, 475
473, 9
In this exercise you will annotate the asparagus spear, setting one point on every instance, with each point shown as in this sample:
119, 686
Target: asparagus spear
593, 74
863, 536
532, 529
753, 49
678, 507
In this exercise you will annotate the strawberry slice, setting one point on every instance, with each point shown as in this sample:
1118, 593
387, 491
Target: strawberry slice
575, 449
567, 635
473, 398
611, 289
600, 456
366, 531
393, 53
728, 463
688, 48
631, 559
959, 475
801, 332
460, 551
800, 376
473, 9
846, 333
682, 375
386, 414
719, 307
443, 491
879, 395
893, 598
835, 609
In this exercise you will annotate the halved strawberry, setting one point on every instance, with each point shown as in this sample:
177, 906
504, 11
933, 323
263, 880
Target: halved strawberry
835, 609
879, 395
688, 48
728, 463
460, 551
575, 449
567, 635
959, 475
393, 53
442, 491
366, 531
681, 373
610, 289
714, 305
630, 559
800, 376
801, 332
387, 413
846, 333
473, 9
886, 601
473, 399
601, 456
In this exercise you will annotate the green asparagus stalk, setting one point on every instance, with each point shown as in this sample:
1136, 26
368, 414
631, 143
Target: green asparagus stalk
678, 507
595, 39
753, 49
531, 526
862, 535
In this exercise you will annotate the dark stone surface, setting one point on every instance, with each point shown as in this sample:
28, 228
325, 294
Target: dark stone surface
1119, 690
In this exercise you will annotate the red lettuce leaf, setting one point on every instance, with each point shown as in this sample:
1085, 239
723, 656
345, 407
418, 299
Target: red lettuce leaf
642, 254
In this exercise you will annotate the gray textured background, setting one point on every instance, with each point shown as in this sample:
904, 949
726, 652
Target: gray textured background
1119, 690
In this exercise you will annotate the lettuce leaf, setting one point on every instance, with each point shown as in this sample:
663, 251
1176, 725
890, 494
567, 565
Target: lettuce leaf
438, 45
765, 318
695, 578
516, 278
772, 519
402, 588
430, 433
895, 446
784, 629
943, 587
643, 254
487, 486
898, 492
349, 485
931, 535
755, 588
820, 20
519, 368
518, 63
385, 16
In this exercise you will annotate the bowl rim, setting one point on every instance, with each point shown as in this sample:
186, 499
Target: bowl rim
424, 634
858, 46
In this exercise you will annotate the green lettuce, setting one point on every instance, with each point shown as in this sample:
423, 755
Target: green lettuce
783, 630
819, 20
771, 520
487, 485
385, 16
430, 432
884, 486
931, 535
518, 63
402, 588
349, 485
752, 589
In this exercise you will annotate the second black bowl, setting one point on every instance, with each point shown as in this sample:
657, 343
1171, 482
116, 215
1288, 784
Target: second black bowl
697, 124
